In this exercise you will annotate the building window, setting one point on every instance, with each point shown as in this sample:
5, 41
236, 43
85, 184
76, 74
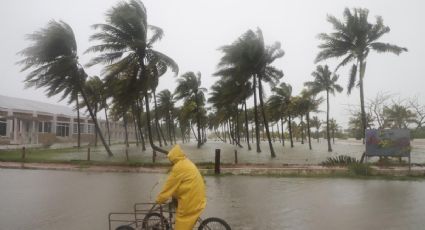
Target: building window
76, 128
90, 129
47, 127
3, 125
44, 127
62, 129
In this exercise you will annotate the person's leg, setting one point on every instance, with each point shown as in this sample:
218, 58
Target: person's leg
186, 221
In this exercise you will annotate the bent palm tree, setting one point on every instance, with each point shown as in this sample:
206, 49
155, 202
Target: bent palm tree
53, 58
189, 88
353, 39
324, 82
125, 45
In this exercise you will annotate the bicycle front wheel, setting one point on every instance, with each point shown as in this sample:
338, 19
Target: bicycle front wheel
155, 221
214, 223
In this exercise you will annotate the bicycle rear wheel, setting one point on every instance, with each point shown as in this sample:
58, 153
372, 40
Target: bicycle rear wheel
214, 223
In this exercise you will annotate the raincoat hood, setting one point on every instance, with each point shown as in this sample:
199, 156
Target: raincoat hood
176, 154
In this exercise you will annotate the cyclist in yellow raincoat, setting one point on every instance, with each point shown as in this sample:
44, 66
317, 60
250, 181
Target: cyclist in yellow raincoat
186, 184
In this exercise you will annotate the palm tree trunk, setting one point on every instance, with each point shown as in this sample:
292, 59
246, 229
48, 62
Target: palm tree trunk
362, 104
198, 121
96, 125
237, 126
107, 126
246, 126
124, 117
223, 127
327, 122
139, 123
162, 133
182, 133
173, 126
148, 122
193, 131
257, 128
308, 129
78, 123
282, 132
278, 132
156, 120
273, 134
260, 87
302, 130
168, 124
290, 131
136, 135
96, 133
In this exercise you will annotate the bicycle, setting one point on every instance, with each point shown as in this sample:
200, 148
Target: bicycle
160, 217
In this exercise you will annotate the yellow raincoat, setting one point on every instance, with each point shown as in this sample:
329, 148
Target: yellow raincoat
187, 185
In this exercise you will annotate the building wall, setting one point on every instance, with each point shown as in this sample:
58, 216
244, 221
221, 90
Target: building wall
30, 127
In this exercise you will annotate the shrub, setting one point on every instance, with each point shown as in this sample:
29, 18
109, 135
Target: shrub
359, 169
342, 160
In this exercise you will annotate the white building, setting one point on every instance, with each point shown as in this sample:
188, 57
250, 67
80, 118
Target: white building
25, 121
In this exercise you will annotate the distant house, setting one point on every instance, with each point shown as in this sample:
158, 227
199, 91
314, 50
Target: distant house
25, 121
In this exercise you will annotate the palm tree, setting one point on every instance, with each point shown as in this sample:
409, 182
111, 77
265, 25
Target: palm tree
308, 103
166, 108
53, 58
324, 82
189, 88
316, 123
95, 99
353, 39
125, 45
281, 100
355, 123
399, 116
334, 128
251, 58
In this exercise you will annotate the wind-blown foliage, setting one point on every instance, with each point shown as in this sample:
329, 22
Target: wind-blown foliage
53, 58
352, 40
126, 46
324, 81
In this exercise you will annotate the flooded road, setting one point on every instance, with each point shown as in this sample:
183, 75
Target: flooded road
300, 154
38, 199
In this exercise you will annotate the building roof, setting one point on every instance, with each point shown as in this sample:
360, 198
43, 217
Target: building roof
30, 105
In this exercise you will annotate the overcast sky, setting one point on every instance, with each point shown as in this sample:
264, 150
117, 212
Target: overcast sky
194, 29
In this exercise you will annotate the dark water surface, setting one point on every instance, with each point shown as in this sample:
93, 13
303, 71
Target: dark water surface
38, 199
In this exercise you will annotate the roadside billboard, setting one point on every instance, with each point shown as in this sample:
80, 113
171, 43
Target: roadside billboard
388, 142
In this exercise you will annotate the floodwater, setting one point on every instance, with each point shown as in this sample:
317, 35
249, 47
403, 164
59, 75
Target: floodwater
41, 199
300, 154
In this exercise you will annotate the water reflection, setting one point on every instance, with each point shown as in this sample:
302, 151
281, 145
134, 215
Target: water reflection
79, 200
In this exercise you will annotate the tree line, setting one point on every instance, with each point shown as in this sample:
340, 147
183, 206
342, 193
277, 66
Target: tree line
132, 67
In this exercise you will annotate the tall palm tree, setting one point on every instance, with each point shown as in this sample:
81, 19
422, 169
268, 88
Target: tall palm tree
125, 44
324, 81
189, 88
353, 39
251, 58
54, 60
